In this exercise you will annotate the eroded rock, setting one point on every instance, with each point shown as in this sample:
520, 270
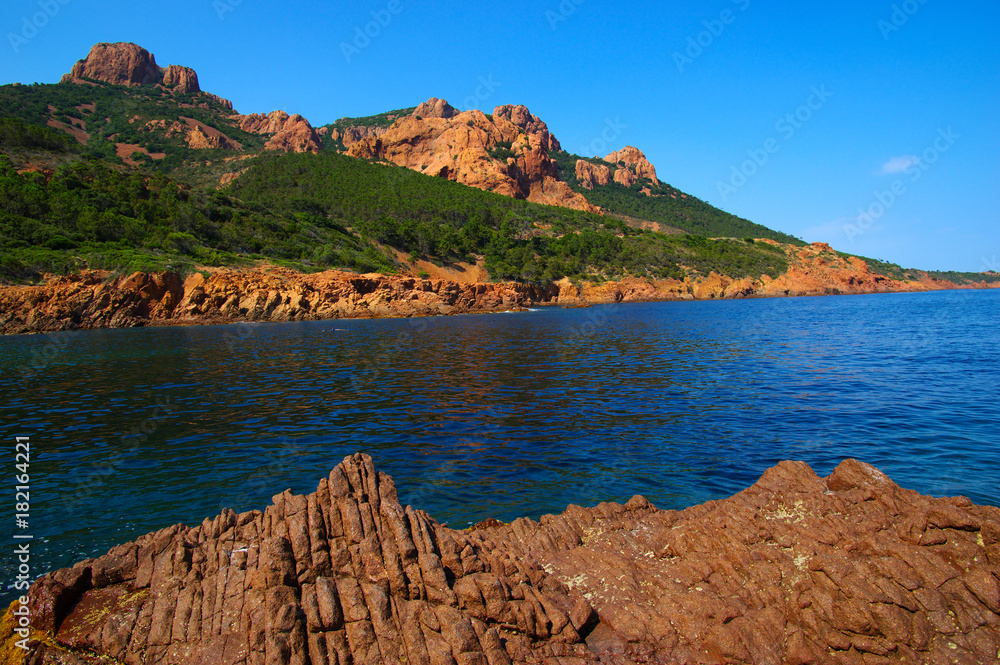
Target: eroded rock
795, 569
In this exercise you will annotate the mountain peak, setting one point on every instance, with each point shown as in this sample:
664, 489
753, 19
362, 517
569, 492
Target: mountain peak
125, 63
435, 108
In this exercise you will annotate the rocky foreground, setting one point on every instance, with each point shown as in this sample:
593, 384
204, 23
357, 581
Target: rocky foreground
796, 569
99, 299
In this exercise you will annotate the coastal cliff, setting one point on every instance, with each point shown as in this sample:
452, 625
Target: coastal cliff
99, 299
850, 568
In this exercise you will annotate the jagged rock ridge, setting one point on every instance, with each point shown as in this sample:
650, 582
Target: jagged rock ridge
507, 153
795, 569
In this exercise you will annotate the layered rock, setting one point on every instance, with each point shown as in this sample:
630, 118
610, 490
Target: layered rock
128, 64
290, 133
95, 299
467, 148
796, 569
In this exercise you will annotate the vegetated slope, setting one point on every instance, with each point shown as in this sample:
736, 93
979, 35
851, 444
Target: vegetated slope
664, 204
112, 176
91, 214
315, 212
150, 120
445, 221
895, 271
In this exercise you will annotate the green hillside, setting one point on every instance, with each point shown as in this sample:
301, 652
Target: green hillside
77, 206
667, 205
109, 114
316, 212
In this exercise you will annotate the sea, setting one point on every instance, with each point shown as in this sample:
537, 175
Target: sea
492, 415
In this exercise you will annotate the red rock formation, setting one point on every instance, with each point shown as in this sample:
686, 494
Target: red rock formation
634, 161
290, 133
796, 569
589, 174
459, 147
182, 79
128, 64
435, 108
353, 134
95, 299
121, 64
198, 139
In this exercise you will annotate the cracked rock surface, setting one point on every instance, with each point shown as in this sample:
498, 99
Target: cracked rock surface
795, 569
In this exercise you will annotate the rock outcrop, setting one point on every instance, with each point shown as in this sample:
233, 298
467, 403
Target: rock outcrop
590, 175
128, 64
182, 79
632, 165
814, 270
352, 134
435, 108
96, 299
507, 153
796, 569
289, 133
199, 139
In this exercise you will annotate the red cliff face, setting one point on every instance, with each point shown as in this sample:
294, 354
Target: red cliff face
471, 148
94, 299
800, 569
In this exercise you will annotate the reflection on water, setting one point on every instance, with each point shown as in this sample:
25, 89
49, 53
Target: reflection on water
502, 415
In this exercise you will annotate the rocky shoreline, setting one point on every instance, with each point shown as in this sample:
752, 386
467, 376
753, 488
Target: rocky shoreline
99, 299
796, 569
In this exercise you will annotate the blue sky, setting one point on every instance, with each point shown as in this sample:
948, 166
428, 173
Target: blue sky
869, 125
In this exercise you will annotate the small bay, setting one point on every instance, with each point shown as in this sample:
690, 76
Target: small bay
501, 415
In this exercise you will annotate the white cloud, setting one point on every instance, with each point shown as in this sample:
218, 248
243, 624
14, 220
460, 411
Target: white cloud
899, 164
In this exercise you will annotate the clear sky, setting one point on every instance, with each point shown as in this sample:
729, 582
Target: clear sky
873, 125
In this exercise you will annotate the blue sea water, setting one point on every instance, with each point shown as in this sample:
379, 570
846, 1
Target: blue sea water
501, 415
